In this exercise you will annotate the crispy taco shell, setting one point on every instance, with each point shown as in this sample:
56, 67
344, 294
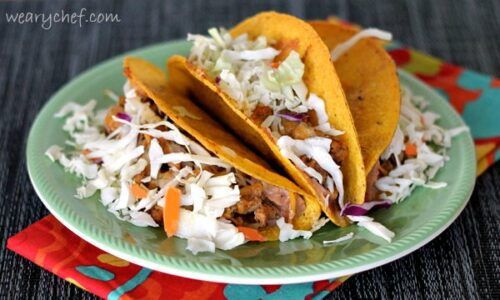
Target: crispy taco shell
371, 85
288, 33
190, 118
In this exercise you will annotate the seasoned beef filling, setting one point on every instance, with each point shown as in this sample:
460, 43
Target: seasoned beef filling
371, 189
266, 214
250, 198
260, 113
338, 150
157, 214
380, 169
279, 197
300, 205
297, 130
260, 204
111, 125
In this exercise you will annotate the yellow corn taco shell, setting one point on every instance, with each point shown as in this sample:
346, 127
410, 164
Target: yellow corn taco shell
184, 113
320, 77
371, 85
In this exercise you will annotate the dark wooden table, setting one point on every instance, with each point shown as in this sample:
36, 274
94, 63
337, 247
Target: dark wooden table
34, 62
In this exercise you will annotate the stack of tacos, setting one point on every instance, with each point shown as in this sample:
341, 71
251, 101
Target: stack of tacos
257, 132
271, 82
265, 196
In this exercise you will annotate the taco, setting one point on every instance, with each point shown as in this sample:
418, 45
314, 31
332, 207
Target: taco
267, 202
270, 80
370, 82
158, 160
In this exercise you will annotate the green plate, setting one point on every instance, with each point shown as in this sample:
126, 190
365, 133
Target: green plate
416, 221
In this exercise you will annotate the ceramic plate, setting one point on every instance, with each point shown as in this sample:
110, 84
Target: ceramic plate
416, 221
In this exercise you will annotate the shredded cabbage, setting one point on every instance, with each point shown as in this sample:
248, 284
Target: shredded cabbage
111, 162
340, 239
365, 33
199, 245
245, 70
291, 70
374, 227
288, 233
317, 148
418, 127
319, 224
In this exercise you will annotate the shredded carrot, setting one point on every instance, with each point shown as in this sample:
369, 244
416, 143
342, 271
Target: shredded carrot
285, 48
251, 234
138, 191
171, 210
275, 64
411, 149
86, 152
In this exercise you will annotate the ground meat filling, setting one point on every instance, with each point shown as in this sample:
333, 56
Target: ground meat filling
298, 130
280, 198
371, 179
250, 198
380, 169
110, 124
260, 113
300, 205
260, 204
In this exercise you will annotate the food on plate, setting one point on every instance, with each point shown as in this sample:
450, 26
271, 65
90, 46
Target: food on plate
270, 80
417, 151
370, 82
402, 146
158, 160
